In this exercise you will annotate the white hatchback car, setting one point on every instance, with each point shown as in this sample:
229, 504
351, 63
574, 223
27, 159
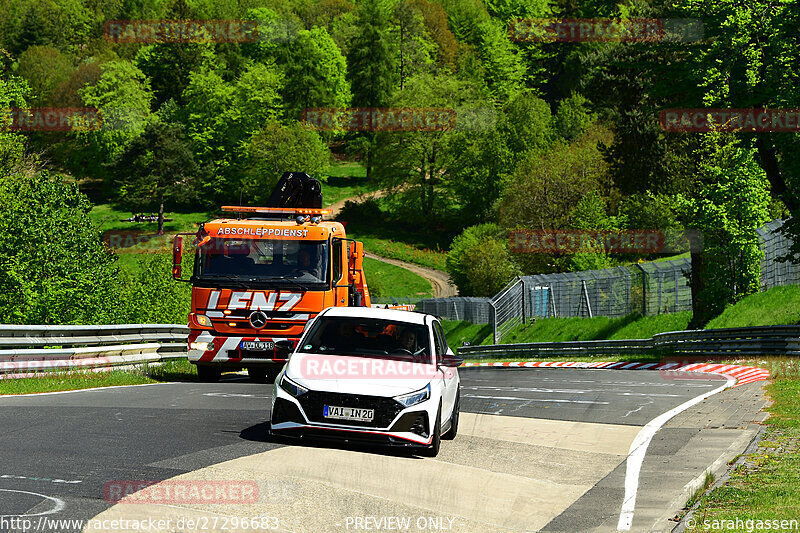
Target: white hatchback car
370, 375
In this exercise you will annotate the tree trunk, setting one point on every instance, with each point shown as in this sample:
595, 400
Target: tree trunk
699, 311
769, 162
161, 215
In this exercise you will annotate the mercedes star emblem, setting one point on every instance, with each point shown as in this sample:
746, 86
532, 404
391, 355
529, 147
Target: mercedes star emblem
258, 319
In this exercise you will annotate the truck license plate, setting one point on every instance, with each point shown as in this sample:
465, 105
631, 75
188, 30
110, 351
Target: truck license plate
260, 346
348, 413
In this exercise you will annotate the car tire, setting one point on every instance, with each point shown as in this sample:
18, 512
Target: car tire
451, 433
208, 373
433, 449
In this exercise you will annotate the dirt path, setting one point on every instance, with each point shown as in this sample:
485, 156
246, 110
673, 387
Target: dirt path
440, 281
335, 208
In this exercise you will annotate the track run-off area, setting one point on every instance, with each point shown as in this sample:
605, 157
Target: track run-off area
538, 449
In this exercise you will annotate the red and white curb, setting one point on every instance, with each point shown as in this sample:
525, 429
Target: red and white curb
742, 374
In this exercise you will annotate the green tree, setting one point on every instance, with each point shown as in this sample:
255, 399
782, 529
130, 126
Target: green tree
155, 168
278, 148
371, 65
123, 96
371, 62
316, 73
415, 49
731, 205
168, 67
13, 92
572, 117
418, 162
505, 67
44, 68
435, 19
221, 117
546, 186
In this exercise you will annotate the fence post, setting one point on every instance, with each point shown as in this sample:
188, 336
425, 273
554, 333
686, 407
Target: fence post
586, 296
524, 294
644, 289
494, 322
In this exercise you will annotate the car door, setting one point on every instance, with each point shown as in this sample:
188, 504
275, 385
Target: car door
448, 375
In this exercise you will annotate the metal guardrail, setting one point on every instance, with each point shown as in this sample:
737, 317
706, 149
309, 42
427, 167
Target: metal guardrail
753, 341
27, 350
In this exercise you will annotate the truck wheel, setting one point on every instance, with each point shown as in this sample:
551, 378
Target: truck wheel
208, 373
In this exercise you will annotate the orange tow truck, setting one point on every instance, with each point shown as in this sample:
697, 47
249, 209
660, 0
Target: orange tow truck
259, 277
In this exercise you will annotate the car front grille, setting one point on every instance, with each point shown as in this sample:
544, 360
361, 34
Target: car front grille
386, 409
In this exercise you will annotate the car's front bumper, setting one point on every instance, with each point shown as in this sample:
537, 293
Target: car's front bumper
410, 427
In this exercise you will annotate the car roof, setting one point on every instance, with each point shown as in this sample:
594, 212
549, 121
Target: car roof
371, 312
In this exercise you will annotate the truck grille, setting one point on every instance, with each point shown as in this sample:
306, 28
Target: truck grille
386, 409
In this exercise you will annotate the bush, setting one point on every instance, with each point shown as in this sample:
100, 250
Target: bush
54, 268
479, 262
149, 295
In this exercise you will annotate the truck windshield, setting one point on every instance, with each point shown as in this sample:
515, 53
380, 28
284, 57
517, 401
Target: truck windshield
270, 261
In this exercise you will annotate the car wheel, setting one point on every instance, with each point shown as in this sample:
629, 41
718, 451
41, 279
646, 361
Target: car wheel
451, 433
433, 449
208, 373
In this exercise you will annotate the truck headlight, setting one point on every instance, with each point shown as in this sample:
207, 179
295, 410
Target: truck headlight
203, 320
202, 346
414, 398
291, 387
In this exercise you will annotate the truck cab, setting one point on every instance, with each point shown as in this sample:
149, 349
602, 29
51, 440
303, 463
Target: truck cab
258, 279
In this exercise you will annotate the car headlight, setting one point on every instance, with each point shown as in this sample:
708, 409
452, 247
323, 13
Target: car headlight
291, 387
414, 398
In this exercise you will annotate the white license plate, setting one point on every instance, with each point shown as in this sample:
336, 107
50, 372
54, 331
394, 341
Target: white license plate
258, 345
348, 413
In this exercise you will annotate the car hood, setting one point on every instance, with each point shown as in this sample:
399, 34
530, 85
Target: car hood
358, 375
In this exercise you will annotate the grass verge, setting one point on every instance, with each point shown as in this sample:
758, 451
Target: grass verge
173, 370
765, 485
386, 280
403, 251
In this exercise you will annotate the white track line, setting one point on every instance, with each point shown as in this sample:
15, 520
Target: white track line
639, 448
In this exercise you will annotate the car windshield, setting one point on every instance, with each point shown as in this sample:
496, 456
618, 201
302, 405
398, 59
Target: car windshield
263, 260
368, 336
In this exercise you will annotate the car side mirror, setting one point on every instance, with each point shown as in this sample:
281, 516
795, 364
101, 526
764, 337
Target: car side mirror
284, 346
451, 360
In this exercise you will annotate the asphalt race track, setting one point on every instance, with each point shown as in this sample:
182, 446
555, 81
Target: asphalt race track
538, 450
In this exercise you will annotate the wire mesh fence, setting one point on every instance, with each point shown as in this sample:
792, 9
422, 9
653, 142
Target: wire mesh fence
775, 246
648, 288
